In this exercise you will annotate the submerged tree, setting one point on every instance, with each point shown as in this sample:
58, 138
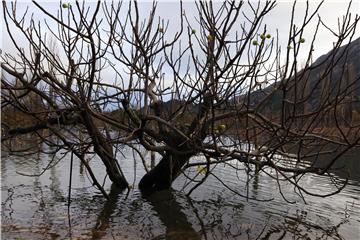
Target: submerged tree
234, 96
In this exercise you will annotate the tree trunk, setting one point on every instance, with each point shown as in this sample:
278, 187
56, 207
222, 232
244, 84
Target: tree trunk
104, 150
168, 169
163, 174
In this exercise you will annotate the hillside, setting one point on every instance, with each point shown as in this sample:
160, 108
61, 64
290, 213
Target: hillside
332, 76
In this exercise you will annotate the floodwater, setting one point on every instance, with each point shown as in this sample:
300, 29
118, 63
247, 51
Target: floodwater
36, 207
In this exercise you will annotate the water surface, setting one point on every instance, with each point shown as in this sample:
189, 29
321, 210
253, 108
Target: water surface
37, 207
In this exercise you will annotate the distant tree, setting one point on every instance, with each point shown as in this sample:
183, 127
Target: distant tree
349, 76
224, 74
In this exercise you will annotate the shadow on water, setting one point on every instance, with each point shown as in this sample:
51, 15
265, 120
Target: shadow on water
345, 167
172, 215
104, 219
164, 205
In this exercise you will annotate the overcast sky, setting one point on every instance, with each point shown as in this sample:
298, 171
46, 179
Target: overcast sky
278, 19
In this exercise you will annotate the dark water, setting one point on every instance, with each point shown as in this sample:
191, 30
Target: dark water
36, 207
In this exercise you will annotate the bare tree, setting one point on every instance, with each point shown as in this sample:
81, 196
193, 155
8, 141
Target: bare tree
231, 97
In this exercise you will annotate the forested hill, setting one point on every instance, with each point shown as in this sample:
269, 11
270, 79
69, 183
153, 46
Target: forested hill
313, 88
345, 67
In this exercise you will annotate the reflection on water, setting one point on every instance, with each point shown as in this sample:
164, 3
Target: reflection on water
170, 213
37, 208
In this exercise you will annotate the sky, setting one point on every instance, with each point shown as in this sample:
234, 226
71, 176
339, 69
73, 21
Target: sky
277, 20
